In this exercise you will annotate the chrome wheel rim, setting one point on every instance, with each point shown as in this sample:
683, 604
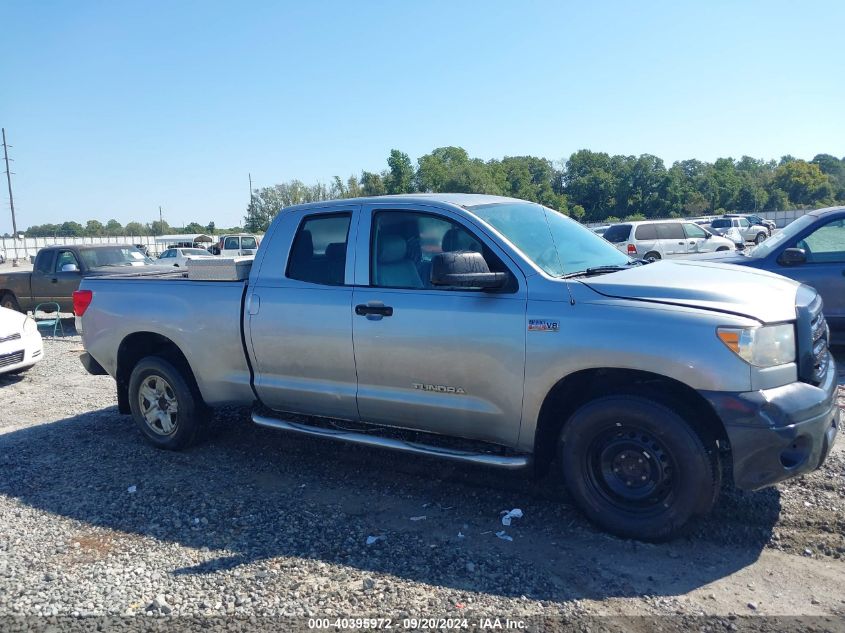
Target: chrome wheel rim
158, 405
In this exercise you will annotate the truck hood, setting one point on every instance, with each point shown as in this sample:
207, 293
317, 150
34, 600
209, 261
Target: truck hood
748, 292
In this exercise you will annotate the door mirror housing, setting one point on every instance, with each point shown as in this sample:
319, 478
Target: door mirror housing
793, 256
70, 268
464, 269
707, 235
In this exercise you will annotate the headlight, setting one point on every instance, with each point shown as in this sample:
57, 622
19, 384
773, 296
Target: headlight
29, 326
765, 346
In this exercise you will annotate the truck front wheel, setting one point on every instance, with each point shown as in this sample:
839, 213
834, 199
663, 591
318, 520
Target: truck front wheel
164, 406
636, 468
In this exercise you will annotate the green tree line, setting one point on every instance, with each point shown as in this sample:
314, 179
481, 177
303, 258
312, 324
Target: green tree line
95, 228
589, 186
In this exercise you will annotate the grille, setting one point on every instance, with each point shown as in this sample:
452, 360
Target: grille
11, 359
11, 337
813, 338
821, 355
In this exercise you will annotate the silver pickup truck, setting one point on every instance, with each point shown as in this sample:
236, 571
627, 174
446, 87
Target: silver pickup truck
487, 330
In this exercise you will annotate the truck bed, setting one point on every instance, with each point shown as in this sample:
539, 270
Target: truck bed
203, 318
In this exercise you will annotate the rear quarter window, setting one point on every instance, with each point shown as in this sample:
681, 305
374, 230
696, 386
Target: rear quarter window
618, 233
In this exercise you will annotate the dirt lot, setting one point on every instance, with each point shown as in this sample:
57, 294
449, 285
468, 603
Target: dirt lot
93, 521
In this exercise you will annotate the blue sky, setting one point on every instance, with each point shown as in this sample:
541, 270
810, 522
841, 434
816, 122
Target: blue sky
116, 107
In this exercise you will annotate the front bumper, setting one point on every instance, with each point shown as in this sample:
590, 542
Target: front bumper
21, 353
779, 433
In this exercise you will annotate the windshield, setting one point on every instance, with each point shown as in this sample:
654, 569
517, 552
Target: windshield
554, 242
792, 229
113, 256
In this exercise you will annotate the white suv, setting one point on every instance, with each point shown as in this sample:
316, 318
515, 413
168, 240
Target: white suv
658, 239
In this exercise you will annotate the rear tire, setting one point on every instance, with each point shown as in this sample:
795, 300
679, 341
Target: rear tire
722, 249
636, 468
167, 411
10, 302
653, 256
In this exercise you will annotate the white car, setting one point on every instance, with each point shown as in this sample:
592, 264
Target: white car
20, 342
179, 256
659, 239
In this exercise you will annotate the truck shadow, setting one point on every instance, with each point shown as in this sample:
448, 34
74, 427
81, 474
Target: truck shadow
253, 495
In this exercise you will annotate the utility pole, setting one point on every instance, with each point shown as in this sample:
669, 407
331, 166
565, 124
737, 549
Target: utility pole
250, 208
160, 221
11, 197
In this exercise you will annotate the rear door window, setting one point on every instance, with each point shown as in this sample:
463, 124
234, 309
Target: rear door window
44, 262
646, 232
318, 254
231, 244
617, 233
670, 231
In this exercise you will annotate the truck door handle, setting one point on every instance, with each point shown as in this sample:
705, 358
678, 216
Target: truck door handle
54, 280
370, 310
681, 243
692, 243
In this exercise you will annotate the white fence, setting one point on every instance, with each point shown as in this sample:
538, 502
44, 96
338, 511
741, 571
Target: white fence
26, 248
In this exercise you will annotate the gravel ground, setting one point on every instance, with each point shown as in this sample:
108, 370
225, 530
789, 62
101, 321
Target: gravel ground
251, 522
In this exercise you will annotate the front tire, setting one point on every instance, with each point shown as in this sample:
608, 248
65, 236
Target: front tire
722, 249
636, 468
166, 410
761, 237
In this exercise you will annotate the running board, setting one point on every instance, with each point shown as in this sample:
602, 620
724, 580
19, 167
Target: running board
486, 459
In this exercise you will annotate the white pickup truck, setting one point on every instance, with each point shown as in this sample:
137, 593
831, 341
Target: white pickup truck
487, 330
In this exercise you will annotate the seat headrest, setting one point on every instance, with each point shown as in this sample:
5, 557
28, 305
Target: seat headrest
336, 251
303, 245
458, 240
392, 248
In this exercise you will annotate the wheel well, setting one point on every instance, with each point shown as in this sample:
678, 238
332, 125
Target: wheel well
575, 390
140, 345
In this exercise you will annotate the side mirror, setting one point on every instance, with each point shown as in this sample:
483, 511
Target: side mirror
707, 235
793, 256
464, 269
70, 268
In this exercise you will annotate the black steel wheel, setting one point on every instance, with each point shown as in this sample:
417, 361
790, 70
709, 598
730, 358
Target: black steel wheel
636, 468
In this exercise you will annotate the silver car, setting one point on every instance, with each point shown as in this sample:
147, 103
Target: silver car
750, 232
659, 239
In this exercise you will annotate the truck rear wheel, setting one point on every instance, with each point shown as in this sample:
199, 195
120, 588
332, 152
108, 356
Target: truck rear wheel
165, 408
636, 468
9, 302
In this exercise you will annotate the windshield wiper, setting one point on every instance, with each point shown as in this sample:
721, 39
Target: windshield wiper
600, 270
